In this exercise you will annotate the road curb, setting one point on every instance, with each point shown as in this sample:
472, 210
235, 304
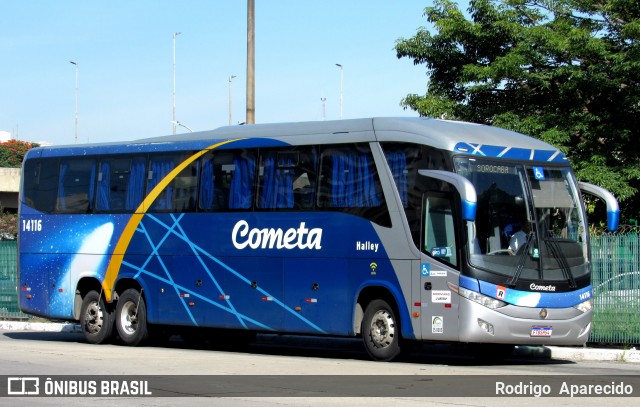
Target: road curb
39, 326
596, 354
579, 354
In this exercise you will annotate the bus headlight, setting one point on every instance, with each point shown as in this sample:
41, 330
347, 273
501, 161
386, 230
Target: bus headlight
584, 306
481, 299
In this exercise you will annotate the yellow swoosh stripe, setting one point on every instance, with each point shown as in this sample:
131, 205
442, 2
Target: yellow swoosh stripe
127, 234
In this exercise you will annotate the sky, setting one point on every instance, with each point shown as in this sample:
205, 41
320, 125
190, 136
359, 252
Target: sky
124, 52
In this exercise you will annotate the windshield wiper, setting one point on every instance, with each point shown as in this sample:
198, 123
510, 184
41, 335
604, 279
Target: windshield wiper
557, 253
522, 257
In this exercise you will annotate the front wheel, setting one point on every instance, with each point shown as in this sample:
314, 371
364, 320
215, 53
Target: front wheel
131, 318
96, 319
380, 331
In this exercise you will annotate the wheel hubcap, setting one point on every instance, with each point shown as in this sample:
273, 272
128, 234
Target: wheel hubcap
383, 329
93, 318
128, 318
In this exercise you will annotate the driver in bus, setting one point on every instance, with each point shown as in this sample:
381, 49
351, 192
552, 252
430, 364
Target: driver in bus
520, 237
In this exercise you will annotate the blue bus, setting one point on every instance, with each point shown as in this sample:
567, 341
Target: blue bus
389, 229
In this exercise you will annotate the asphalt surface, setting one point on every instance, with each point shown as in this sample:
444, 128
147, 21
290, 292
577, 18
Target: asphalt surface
631, 355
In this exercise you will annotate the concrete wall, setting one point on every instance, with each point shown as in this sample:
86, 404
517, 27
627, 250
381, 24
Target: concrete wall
9, 187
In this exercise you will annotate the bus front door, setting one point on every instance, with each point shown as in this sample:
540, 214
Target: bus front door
439, 304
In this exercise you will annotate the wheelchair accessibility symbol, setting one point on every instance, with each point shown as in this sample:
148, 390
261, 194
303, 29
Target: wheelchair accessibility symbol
425, 269
538, 173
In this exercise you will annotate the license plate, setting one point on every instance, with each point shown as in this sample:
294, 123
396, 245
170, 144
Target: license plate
544, 331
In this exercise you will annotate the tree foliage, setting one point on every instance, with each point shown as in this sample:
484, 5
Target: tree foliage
564, 71
12, 152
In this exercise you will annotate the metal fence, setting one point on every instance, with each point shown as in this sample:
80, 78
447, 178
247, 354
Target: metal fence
615, 280
616, 288
8, 284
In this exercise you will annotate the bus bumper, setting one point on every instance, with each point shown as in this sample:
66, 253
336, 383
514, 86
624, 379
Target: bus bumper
523, 326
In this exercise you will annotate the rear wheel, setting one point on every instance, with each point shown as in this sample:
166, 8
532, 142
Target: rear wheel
131, 318
96, 319
380, 331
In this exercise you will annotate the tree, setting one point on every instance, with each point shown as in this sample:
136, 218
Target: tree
12, 152
11, 155
564, 71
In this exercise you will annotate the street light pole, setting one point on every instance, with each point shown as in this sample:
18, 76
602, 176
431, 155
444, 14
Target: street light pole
230, 104
251, 64
76, 125
341, 86
175, 34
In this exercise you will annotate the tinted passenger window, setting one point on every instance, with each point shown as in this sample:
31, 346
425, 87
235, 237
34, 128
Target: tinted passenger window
179, 194
40, 178
349, 181
287, 178
227, 180
120, 184
76, 186
405, 160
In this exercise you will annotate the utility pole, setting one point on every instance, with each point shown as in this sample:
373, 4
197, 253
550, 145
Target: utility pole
76, 125
251, 91
341, 86
174, 121
230, 103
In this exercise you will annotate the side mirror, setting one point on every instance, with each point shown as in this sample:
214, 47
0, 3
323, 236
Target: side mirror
613, 210
464, 187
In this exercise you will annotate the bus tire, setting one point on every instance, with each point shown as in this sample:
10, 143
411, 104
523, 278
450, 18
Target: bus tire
131, 318
96, 320
380, 331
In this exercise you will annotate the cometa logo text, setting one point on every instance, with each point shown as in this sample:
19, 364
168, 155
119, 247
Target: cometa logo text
301, 238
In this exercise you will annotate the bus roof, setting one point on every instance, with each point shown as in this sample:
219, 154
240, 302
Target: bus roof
438, 133
467, 138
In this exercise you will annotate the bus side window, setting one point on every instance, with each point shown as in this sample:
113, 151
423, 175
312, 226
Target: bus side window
120, 184
287, 179
40, 184
184, 189
179, 194
304, 182
227, 180
439, 228
405, 160
76, 186
349, 182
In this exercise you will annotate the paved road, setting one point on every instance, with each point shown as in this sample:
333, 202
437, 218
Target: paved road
24, 353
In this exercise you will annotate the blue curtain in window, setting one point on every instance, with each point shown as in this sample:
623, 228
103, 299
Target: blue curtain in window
367, 194
92, 185
207, 180
353, 181
64, 167
285, 188
160, 168
104, 186
242, 182
268, 196
338, 181
284, 176
136, 185
398, 165
277, 184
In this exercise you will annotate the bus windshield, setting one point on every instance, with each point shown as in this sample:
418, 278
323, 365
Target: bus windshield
529, 225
